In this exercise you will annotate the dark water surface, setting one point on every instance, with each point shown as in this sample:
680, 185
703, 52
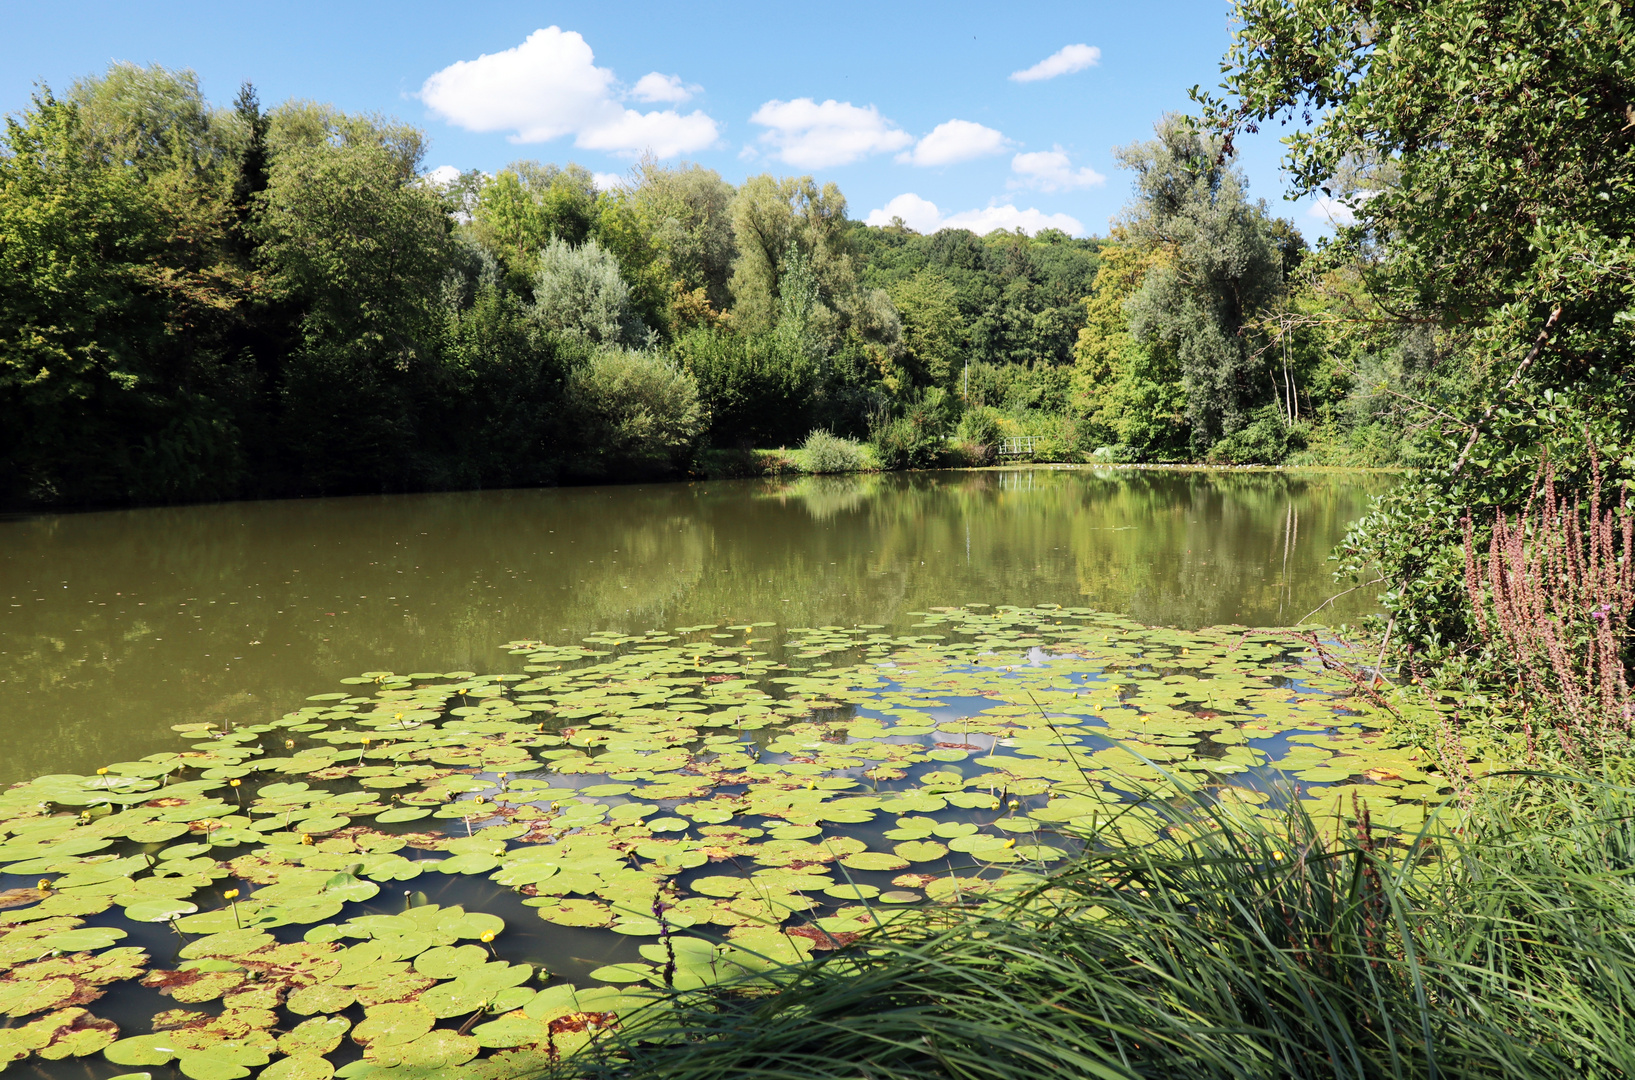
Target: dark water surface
115, 625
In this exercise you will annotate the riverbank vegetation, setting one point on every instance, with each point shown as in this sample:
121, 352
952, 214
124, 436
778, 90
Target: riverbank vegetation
205, 302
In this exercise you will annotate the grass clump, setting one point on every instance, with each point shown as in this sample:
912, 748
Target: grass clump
825, 452
1230, 948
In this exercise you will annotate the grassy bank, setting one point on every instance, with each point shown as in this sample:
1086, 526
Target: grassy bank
1501, 947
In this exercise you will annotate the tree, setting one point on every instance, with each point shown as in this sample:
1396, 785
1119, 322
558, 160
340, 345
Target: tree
527, 204
687, 213
352, 238
578, 292
1222, 268
933, 328
112, 302
773, 217
1488, 154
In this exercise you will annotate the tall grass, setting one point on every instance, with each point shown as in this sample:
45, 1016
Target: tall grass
1232, 948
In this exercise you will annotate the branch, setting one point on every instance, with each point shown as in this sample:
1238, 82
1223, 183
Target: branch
1532, 354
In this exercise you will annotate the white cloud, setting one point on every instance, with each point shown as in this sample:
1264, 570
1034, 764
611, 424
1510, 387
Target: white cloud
549, 87
1062, 62
812, 136
607, 181
1332, 211
656, 87
922, 216
1051, 170
954, 142
442, 176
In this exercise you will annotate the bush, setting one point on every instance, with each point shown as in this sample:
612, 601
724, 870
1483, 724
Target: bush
760, 387
1267, 440
824, 452
578, 292
634, 410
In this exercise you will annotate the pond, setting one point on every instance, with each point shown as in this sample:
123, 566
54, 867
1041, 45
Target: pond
456, 782
116, 625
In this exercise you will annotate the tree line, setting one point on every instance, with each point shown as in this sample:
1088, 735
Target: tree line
201, 302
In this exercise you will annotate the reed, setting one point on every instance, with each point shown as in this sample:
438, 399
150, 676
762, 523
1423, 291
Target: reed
1233, 948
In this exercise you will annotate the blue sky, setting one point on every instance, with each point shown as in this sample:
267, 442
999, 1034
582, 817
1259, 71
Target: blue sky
909, 107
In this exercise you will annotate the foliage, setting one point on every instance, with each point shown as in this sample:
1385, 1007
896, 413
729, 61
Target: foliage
1267, 439
113, 301
1232, 948
1221, 268
825, 452
1487, 159
761, 387
578, 293
634, 410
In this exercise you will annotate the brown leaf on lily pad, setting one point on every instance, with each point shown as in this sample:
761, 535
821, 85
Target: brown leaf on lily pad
75, 1033
11, 898
177, 1019
191, 987
822, 939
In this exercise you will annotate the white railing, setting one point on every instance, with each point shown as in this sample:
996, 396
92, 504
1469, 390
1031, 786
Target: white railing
1017, 446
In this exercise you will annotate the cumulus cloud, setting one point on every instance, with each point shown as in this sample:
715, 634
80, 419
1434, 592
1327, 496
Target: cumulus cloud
922, 216
808, 135
656, 87
442, 176
550, 87
607, 181
1051, 170
1332, 212
954, 142
1062, 62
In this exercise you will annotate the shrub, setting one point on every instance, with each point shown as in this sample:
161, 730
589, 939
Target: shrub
1266, 440
634, 409
824, 452
760, 387
578, 292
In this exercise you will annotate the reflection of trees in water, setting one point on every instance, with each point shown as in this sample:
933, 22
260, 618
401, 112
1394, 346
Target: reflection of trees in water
440, 582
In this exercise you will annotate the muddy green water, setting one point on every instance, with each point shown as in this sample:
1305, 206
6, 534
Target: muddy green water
116, 625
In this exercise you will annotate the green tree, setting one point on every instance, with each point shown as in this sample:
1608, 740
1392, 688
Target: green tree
351, 236
933, 328
578, 292
1223, 268
687, 214
112, 302
1488, 152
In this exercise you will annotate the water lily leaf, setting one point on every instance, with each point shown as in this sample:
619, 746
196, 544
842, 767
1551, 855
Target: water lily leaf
223, 1061
316, 1036
85, 939
142, 1050
447, 962
323, 998
623, 973
440, 1049
899, 896
402, 813
875, 860
300, 1066
852, 891
158, 910
921, 850
384, 1025
576, 912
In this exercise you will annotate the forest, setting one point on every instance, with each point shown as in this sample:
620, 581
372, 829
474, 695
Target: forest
201, 302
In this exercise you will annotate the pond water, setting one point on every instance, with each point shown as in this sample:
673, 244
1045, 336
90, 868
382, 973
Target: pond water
116, 625
449, 784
